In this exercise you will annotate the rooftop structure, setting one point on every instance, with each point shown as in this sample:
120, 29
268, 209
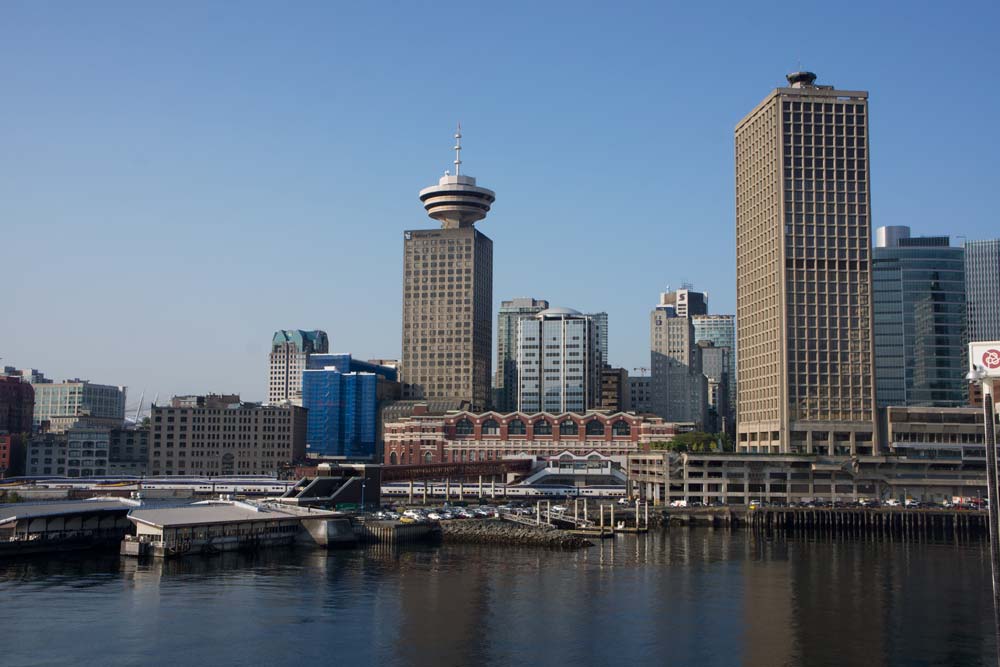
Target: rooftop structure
456, 201
290, 353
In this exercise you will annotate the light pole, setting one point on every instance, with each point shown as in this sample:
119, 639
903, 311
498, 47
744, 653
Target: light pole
978, 374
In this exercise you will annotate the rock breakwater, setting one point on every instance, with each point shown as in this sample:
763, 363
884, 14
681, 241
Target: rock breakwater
498, 531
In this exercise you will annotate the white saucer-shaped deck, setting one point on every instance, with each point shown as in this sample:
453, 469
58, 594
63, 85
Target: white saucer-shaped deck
456, 201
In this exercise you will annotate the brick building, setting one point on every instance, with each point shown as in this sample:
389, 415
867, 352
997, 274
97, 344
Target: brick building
468, 436
220, 435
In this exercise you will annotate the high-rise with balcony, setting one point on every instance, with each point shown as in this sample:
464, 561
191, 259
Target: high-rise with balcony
919, 319
290, 351
982, 283
448, 295
511, 312
805, 369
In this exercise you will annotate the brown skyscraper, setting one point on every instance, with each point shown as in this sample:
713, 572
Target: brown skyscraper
803, 272
448, 295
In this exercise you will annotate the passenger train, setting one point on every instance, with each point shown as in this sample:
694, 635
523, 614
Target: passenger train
398, 489
246, 484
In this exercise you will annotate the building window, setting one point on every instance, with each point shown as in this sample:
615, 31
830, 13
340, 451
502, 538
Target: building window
594, 427
568, 428
620, 427
516, 427
491, 427
463, 427
542, 427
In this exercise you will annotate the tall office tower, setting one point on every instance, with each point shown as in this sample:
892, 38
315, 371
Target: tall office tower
680, 390
982, 284
721, 330
448, 295
511, 312
686, 302
601, 324
290, 350
557, 362
918, 292
805, 373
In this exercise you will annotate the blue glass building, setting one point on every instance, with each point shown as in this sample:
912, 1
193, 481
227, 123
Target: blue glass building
340, 396
919, 296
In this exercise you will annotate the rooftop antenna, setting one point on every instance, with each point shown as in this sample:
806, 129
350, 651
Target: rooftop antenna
458, 149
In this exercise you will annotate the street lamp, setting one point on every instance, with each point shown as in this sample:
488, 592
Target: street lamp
978, 374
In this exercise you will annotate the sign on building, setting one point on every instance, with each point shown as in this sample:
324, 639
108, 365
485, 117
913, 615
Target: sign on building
985, 356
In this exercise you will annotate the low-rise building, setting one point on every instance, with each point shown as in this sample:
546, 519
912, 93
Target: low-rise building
60, 405
80, 451
468, 436
12, 449
129, 451
17, 404
934, 454
221, 435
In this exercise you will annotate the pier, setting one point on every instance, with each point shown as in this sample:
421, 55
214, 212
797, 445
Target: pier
870, 520
580, 521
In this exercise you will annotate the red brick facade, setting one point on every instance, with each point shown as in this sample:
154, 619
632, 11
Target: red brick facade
465, 436
11, 454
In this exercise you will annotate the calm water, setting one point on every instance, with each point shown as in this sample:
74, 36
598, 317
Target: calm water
674, 598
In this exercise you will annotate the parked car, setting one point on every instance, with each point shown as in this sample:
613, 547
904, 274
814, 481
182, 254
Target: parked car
678, 503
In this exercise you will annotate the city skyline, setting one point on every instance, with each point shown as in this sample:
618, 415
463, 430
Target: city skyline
96, 190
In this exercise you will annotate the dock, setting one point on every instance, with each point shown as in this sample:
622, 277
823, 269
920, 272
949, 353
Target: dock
870, 520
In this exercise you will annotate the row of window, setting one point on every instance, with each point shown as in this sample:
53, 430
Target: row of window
465, 427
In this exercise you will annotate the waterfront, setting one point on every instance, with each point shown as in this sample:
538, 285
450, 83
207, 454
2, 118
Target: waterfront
670, 598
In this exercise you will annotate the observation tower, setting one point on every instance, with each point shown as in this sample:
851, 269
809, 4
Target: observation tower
456, 201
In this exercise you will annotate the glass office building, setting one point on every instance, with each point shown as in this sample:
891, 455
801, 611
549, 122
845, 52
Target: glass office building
61, 403
919, 299
340, 395
558, 362
982, 282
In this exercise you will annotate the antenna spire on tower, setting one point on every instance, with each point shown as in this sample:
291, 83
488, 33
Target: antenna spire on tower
458, 149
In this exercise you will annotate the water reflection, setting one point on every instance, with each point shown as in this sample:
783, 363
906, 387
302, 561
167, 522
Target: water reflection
705, 597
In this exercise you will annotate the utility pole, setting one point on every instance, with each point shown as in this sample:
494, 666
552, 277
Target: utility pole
984, 359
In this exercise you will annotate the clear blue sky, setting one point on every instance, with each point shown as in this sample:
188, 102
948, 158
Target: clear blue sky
178, 181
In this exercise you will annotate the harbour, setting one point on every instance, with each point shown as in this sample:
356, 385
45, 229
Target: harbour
698, 596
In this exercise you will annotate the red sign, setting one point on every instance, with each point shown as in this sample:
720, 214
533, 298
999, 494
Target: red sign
991, 359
